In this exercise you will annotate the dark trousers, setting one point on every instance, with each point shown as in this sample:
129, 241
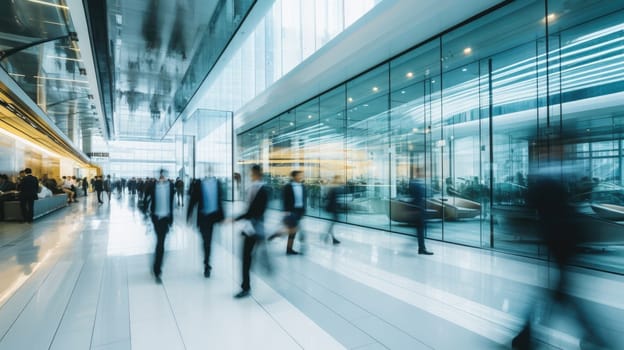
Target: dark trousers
206, 225
99, 195
420, 231
161, 226
27, 209
248, 246
292, 222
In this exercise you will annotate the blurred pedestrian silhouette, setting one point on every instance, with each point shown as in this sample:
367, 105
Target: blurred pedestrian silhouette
159, 198
98, 185
418, 192
332, 206
560, 228
206, 195
28, 187
179, 187
253, 230
294, 204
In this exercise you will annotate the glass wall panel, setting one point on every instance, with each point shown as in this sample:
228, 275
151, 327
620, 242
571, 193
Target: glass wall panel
307, 147
470, 111
410, 79
332, 129
591, 71
367, 145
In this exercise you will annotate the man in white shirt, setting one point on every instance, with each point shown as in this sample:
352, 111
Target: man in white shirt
206, 195
161, 196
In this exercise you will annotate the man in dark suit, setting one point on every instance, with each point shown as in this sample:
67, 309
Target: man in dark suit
206, 195
29, 187
294, 201
160, 199
257, 199
98, 185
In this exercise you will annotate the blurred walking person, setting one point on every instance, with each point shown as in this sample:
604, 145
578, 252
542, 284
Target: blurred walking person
417, 191
160, 196
257, 199
98, 185
560, 225
294, 204
85, 186
332, 206
206, 195
179, 187
108, 186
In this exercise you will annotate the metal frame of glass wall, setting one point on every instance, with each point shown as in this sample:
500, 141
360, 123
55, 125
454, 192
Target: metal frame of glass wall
465, 110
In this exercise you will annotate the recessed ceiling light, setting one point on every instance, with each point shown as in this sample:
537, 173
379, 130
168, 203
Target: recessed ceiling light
366, 105
433, 82
375, 89
350, 99
310, 116
409, 74
464, 69
467, 51
291, 123
402, 91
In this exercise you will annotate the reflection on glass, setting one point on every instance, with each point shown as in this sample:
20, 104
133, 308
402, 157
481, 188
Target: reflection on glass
468, 107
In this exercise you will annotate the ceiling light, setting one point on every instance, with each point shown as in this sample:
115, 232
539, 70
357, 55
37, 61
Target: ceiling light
17, 75
310, 116
467, 51
415, 130
375, 89
366, 105
403, 91
49, 4
409, 74
350, 99
291, 123
551, 17
464, 69
433, 82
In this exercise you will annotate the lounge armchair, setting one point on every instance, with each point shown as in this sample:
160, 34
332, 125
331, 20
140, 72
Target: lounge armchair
456, 208
609, 211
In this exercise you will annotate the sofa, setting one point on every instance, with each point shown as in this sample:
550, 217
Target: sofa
13, 212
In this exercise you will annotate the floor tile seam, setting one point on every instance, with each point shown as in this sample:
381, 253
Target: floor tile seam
349, 272
320, 285
544, 332
173, 314
70, 271
369, 313
544, 285
279, 324
359, 347
58, 326
373, 315
416, 288
338, 314
99, 300
48, 272
481, 253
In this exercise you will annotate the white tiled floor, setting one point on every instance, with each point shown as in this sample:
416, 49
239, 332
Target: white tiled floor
80, 279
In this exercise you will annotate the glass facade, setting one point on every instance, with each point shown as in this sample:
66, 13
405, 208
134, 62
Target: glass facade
290, 32
465, 110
